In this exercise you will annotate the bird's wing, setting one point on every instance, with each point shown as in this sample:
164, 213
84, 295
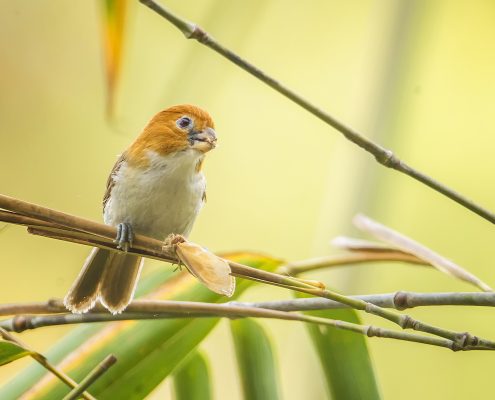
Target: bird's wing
111, 178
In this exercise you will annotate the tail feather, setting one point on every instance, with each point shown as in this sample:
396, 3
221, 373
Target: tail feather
84, 292
108, 276
119, 281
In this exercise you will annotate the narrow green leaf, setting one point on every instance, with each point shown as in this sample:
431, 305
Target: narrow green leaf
10, 352
344, 357
192, 380
255, 360
147, 351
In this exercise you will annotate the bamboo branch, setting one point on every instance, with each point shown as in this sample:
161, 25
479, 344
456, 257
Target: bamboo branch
383, 156
152, 310
98, 371
44, 362
148, 247
400, 300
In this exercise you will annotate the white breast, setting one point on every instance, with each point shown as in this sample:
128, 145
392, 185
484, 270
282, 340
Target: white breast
163, 198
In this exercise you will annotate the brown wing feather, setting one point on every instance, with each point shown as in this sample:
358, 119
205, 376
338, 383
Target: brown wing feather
111, 180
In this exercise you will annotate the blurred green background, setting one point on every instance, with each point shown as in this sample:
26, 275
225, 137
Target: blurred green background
417, 76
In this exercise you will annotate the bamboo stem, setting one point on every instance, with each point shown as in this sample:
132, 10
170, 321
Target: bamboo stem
196, 309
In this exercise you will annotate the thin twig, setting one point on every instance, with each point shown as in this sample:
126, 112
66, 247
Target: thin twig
44, 362
153, 248
338, 260
194, 309
98, 371
382, 155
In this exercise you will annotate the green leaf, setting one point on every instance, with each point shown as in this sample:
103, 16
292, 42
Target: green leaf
192, 380
147, 351
255, 360
344, 357
10, 352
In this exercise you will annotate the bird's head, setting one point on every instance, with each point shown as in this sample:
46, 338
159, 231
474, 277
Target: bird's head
175, 129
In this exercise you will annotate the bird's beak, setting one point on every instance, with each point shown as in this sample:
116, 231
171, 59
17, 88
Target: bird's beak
204, 140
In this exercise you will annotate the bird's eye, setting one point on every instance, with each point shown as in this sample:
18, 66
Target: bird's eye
184, 122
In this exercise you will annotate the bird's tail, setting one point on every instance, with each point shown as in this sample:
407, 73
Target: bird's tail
108, 276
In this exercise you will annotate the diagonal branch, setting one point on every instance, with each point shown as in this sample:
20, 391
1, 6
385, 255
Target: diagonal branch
98, 371
382, 155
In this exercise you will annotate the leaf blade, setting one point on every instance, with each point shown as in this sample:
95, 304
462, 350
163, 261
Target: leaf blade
11, 351
192, 380
255, 360
344, 357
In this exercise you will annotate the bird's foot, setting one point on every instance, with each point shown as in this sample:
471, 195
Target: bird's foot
170, 246
125, 236
173, 240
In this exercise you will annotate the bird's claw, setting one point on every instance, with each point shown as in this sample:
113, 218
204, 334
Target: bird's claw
173, 240
125, 236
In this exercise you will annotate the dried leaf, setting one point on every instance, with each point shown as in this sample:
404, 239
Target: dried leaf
211, 270
113, 37
408, 245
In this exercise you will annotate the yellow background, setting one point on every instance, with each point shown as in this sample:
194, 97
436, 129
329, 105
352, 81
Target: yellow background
417, 76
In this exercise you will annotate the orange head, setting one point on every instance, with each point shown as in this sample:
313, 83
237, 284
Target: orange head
175, 129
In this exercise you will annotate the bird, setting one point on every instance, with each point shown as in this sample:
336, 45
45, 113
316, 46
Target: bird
156, 188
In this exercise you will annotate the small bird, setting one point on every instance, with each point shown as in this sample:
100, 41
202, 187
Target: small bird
156, 188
